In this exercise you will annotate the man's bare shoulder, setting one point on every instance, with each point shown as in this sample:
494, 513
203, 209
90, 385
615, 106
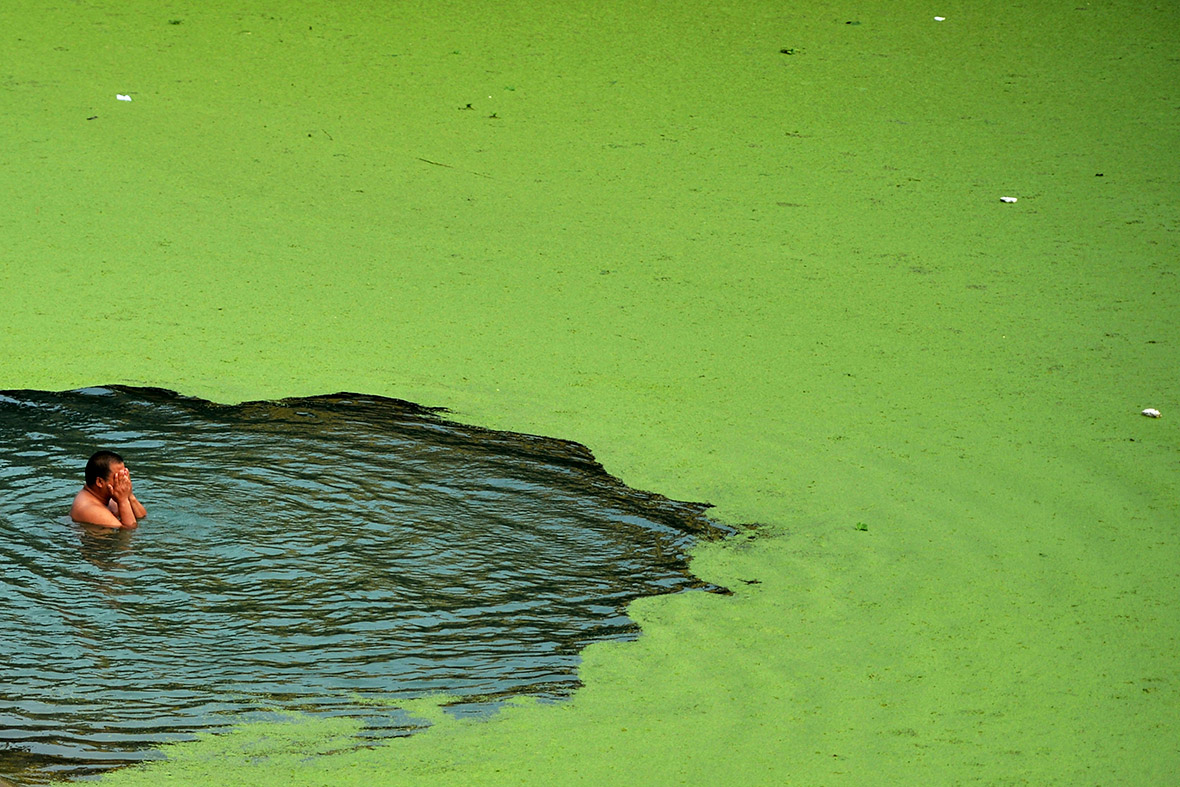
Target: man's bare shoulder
89, 511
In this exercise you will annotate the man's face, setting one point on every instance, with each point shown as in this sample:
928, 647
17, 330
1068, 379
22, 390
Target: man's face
105, 483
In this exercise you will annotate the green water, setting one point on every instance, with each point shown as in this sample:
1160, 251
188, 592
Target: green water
783, 283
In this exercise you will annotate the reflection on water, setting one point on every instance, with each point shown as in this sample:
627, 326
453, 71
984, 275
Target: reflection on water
308, 555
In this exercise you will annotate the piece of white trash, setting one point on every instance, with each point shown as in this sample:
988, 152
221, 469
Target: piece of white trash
1007, 199
940, 19
1151, 412
122, 97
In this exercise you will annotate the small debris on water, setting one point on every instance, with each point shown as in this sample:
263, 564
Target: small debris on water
1151, 412
940, 19
1007, 199
122, 97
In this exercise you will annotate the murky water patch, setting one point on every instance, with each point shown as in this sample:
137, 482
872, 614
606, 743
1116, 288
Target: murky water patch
310, 555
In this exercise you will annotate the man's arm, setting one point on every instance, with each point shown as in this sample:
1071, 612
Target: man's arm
121, 494
136, 507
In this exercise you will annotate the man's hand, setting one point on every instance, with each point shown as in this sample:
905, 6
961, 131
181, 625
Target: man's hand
121, 494
121, 485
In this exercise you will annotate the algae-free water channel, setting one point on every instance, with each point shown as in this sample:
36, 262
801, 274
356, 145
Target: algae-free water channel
329, 555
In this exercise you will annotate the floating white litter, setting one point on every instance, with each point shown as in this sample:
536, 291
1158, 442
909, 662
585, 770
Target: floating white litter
1151, 412
940, 19
1007, 199
122, 97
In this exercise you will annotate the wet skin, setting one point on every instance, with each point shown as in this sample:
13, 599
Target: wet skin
109, 502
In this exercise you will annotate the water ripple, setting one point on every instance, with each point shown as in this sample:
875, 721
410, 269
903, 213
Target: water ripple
309, 554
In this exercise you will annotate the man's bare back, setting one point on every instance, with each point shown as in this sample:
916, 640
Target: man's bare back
107, 499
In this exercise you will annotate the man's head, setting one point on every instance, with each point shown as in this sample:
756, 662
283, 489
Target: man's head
101, 465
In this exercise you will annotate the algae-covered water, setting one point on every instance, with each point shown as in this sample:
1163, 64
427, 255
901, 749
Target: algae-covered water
334, 555
750, 253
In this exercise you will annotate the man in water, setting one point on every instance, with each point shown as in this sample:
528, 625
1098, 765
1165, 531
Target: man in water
107, 499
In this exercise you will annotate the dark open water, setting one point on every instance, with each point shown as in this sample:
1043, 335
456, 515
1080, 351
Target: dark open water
301, 555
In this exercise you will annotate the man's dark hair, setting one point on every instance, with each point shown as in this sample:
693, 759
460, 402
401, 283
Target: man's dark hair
99, 465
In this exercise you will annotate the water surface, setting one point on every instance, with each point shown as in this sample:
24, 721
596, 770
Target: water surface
305, 555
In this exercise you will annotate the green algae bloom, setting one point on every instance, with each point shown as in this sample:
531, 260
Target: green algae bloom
783, 284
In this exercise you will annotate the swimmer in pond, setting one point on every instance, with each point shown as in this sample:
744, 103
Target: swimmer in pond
107, 499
